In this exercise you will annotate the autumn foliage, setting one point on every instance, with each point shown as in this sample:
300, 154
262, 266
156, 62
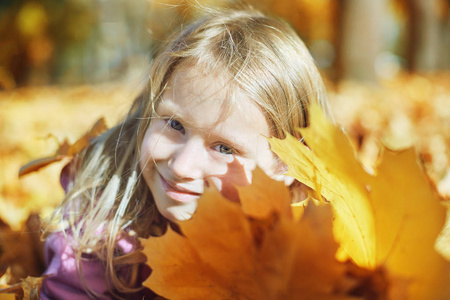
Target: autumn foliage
367, 231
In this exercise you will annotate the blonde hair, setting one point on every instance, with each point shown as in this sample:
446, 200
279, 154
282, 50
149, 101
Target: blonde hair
262, 55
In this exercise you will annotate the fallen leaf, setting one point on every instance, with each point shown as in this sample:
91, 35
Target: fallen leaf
66, 150
28, 289
224, 253
31, 287
389, 220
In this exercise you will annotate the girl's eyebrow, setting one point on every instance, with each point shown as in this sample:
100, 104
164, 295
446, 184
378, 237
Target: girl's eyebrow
174, 111
168, 110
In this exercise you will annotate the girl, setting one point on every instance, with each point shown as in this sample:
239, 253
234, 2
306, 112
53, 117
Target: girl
216, 91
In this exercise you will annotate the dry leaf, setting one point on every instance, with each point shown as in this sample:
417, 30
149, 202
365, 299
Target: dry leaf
226, 254
28, 289
389, 220
21, 251
66, 150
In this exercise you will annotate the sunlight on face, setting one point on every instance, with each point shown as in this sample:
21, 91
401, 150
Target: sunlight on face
195, 136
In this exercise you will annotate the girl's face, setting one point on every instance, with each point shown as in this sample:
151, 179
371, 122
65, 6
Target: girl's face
196, 139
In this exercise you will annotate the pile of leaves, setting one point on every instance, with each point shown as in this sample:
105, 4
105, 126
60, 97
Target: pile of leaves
367, 231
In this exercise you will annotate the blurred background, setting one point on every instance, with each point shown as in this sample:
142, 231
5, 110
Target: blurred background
87, 41
66, 63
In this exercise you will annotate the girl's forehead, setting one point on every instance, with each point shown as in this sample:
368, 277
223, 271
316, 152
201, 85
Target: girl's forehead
209, 100
196, 75
193, 83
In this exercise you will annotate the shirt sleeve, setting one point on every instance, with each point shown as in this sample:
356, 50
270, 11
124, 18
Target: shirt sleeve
63, 281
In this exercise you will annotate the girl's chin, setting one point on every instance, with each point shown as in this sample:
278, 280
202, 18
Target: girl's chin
180, 212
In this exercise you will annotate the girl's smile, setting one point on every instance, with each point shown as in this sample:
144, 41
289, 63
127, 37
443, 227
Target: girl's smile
204, 128
179, 193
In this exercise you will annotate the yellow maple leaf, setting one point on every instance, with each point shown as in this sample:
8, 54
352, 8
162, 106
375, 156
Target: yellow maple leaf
387, 220
225, 253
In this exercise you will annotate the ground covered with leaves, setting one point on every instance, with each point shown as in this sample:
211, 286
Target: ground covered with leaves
369, 231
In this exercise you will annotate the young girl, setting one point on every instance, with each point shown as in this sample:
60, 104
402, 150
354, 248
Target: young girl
216, 91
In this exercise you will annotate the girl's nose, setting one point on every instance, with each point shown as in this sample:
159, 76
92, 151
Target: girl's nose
189, 160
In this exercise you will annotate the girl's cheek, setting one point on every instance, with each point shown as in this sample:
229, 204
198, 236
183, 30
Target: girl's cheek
158, 145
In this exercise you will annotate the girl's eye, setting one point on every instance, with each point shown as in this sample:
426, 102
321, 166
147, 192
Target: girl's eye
225, 149
176, 125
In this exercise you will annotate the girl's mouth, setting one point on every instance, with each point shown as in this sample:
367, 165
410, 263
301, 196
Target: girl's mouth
177, 193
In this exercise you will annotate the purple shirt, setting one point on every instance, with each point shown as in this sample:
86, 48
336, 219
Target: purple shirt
64, 282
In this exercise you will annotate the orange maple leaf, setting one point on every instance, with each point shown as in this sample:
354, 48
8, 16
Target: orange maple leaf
225, 252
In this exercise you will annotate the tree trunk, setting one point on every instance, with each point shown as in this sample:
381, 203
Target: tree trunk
361, 38
424, 45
